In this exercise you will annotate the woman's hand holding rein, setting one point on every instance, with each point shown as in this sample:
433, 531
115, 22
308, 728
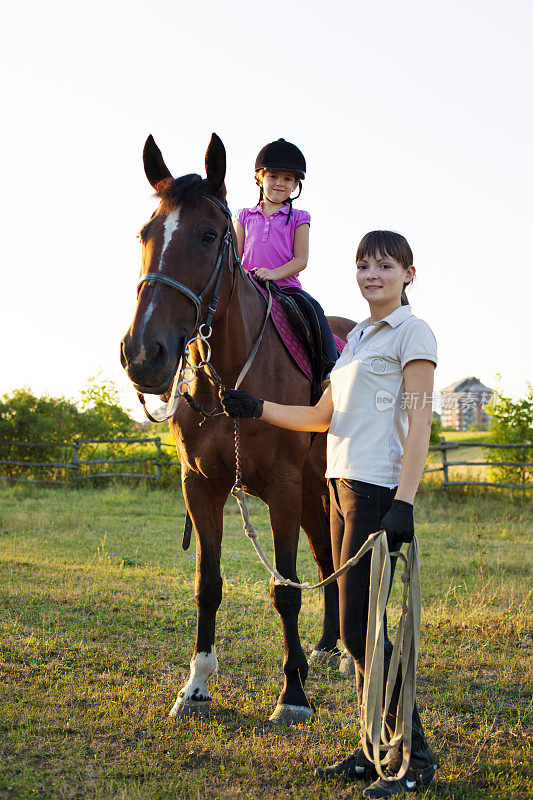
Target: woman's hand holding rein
239, 404
399, 524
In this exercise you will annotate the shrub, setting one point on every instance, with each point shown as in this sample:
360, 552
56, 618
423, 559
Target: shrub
512, 423
27, 418
103, 417
53, 421
436, 429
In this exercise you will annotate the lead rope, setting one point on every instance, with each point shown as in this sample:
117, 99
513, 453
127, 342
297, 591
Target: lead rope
373, 711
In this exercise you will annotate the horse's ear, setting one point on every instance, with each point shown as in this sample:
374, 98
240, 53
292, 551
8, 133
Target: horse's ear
155, 168
215, 164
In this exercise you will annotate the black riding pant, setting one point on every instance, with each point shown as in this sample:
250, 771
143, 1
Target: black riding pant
356, 509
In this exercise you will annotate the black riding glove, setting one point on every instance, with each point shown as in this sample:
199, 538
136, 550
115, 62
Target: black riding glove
399, 524
240, 405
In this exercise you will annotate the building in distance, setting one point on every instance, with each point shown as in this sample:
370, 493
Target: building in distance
463, 404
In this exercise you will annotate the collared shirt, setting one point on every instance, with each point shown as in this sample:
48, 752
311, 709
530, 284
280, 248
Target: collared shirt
269, 241
369, 424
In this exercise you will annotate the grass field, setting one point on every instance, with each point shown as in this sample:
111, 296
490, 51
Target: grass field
97, 628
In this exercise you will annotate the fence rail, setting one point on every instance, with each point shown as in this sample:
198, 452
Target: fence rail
444, 447
72, 467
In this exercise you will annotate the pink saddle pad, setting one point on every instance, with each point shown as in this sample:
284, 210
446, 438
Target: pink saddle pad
293, 344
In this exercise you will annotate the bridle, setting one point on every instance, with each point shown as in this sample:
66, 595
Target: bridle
216, 276
227, 255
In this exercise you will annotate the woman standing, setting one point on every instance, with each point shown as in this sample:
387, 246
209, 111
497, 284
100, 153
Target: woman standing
377, 411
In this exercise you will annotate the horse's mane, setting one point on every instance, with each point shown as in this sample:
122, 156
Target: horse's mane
185, 192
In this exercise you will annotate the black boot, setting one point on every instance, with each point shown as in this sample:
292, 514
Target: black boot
355, 767
420, 772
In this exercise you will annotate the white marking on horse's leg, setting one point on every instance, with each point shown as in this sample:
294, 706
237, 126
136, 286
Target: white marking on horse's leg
203, 666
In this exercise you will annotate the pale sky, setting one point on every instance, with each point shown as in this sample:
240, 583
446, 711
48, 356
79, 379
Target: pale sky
414, 116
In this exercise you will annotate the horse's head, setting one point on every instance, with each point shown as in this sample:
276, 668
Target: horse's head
180, 242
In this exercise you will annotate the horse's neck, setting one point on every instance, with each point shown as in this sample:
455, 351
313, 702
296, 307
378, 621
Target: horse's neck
236, 330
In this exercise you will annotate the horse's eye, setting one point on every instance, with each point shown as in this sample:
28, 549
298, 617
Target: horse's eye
209, 237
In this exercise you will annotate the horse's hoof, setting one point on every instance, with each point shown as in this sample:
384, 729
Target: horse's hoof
189, 709
322, 656
291, 715
346, 664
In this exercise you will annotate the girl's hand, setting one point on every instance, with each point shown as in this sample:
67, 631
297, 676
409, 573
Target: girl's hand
263, 274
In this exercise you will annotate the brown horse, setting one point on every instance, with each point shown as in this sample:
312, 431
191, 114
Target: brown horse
184, 265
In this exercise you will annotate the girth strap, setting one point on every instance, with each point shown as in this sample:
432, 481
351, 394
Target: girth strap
187, 530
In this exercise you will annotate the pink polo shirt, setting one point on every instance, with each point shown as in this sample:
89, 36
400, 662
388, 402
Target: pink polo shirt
269, 241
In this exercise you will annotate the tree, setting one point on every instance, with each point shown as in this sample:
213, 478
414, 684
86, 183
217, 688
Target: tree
512, 423
103, 417
25, 417
54, 421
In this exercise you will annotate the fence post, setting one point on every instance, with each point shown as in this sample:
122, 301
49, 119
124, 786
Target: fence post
444, 464
75, 460
158, 463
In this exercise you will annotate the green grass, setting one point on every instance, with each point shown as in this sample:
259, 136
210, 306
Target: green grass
466, 436
97, 628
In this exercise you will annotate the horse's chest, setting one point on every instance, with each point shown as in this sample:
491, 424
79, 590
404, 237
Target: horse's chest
207, 449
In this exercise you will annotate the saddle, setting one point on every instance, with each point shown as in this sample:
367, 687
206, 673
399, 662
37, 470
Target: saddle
302, 314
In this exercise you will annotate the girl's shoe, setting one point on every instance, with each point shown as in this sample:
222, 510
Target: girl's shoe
355, 766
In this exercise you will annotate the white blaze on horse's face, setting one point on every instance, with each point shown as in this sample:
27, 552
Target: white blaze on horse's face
170, 227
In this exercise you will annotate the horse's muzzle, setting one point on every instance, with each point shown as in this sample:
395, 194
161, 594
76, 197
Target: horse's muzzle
159, 390
151, 372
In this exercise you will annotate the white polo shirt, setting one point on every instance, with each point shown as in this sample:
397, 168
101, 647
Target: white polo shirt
369, 423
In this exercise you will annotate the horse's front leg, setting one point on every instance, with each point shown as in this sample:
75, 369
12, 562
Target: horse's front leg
205, 506
293, 705
315, 523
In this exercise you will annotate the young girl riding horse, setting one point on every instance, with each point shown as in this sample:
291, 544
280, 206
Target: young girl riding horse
273, 237
378, 413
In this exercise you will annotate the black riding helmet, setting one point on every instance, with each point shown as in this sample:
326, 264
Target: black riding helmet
284, 156
281, 155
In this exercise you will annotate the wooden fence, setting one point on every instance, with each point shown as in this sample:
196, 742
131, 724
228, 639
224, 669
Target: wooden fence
72, 469
444, 447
